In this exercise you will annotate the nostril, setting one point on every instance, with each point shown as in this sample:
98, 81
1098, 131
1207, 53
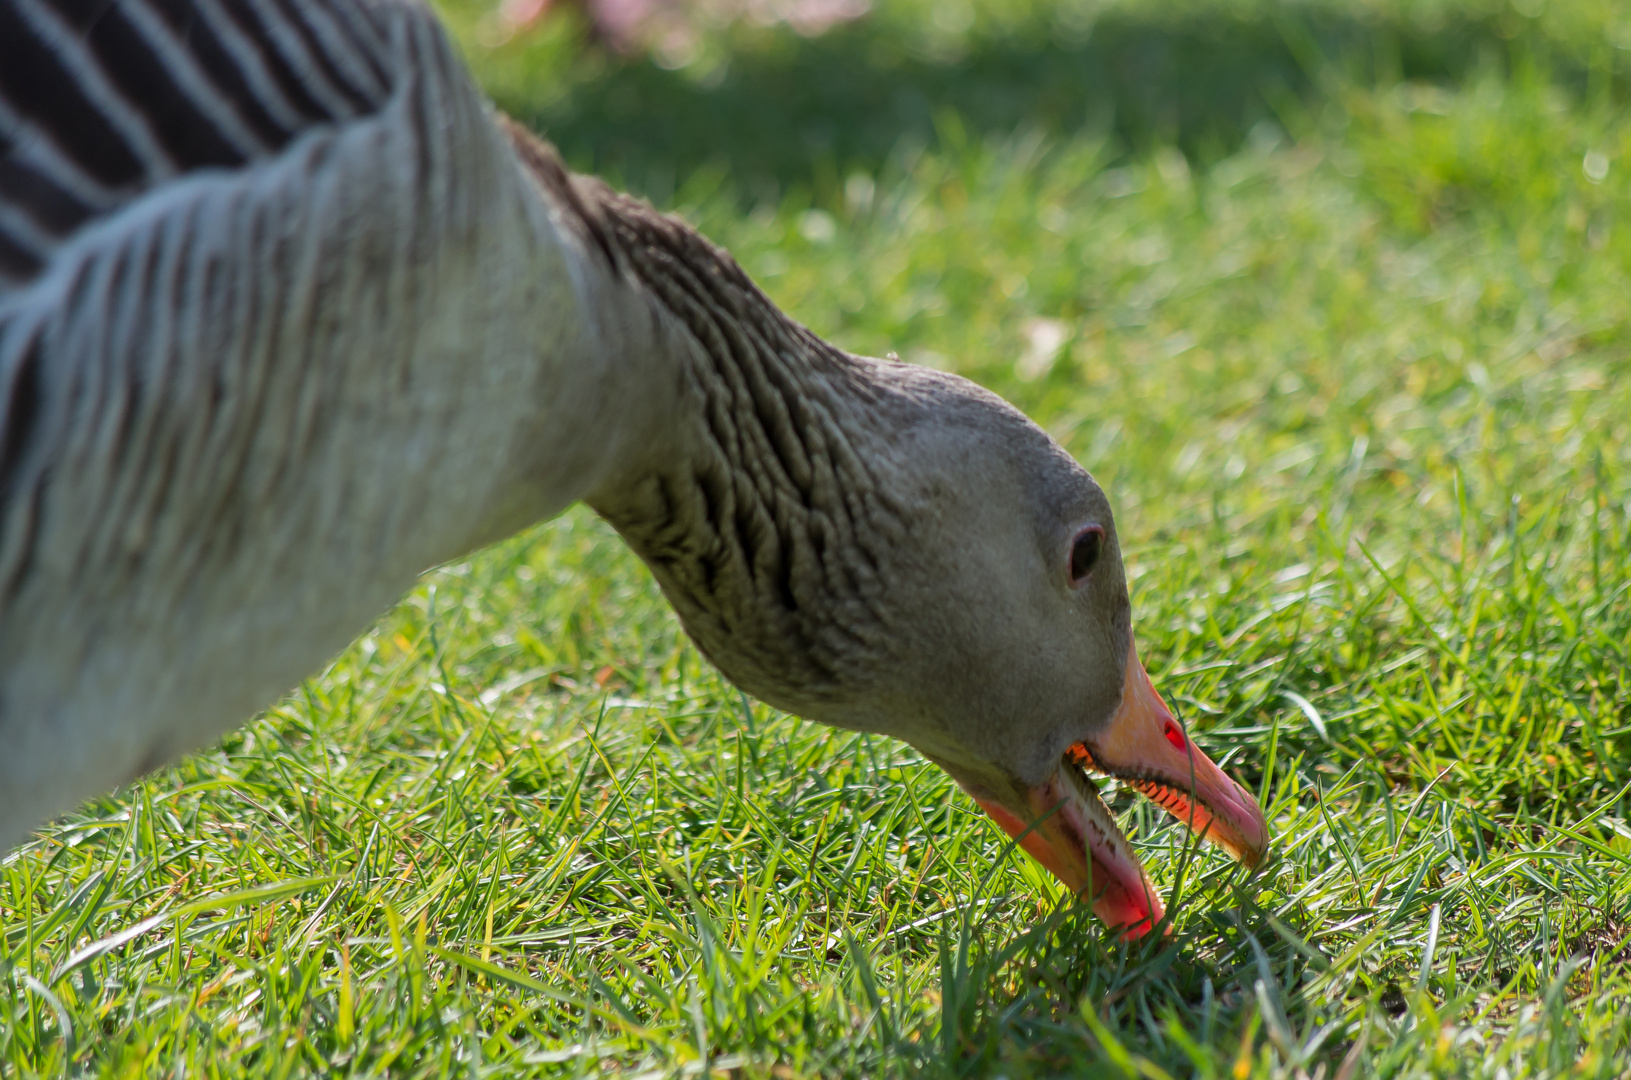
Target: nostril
1174, 736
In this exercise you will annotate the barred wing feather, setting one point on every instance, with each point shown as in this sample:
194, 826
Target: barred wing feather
254, 258
103, 100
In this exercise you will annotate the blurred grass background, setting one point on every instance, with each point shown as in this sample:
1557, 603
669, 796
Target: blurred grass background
1331, 297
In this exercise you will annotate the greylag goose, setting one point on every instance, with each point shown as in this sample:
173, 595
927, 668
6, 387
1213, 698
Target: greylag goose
288, 314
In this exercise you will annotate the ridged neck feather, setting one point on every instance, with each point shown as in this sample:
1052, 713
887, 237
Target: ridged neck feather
762, 499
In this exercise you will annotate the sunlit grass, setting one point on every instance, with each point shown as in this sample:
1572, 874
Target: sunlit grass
1355, 378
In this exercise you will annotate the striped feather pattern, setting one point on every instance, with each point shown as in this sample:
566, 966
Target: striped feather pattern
103, 100
275, 284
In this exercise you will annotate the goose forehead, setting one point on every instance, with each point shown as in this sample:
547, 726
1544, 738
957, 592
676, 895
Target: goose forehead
985, 452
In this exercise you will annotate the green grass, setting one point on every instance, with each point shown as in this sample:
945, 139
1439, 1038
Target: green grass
1341, 295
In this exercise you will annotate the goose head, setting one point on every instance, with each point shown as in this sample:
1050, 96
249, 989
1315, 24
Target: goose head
892, 549
1018, 671
1023, 678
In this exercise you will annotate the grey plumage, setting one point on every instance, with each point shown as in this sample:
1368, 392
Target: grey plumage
230, 396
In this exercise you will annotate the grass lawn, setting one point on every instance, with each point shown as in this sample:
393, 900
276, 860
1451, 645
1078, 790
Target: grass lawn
1334, 298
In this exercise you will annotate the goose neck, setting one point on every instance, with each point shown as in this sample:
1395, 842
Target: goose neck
762, 497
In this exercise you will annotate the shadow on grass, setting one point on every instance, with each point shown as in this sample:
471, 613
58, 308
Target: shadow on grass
784, 112
1062, 996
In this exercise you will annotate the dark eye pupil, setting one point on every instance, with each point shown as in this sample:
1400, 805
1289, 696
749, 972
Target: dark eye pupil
1084, 554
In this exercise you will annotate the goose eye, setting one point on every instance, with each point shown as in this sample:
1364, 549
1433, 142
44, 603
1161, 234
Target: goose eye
1084, 552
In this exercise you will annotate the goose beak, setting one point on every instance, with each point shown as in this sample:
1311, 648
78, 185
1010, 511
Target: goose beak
1148, 750
1064, 825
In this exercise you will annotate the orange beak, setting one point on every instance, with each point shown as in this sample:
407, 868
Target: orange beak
1072, 833
1148, 750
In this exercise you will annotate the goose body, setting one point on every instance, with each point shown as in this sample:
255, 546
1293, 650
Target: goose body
289, 314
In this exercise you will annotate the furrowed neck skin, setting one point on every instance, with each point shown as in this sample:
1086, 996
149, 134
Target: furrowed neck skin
761, 496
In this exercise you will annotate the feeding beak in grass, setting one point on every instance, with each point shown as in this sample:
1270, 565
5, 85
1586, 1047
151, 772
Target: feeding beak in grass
1065, 825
